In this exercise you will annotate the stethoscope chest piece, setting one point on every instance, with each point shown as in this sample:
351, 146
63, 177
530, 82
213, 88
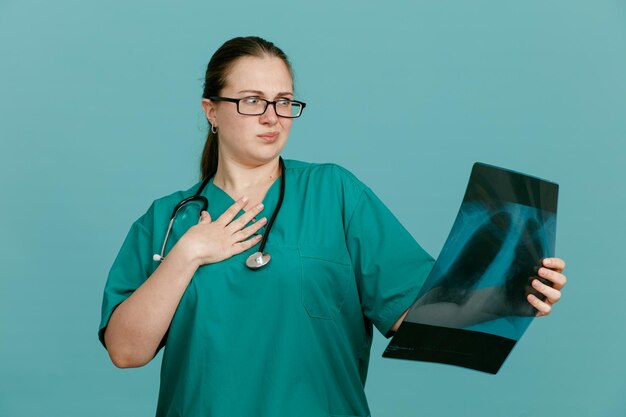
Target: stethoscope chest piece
258, 260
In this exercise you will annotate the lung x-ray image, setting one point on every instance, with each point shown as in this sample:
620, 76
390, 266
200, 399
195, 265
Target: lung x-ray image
472, 309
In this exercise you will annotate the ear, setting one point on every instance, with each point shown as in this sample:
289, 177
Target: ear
208, 107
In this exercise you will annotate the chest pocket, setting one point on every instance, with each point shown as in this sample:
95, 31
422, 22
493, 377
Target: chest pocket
326, 276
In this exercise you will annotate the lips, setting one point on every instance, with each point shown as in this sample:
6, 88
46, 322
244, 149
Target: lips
269, 136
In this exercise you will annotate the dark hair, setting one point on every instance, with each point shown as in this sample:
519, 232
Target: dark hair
215, 80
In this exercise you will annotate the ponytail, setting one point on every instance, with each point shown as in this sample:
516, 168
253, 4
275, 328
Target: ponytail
208, 164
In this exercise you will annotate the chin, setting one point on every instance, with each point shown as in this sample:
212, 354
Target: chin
265, 156
269, 151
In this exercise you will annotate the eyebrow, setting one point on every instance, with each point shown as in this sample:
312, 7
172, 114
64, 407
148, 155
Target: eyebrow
260, 93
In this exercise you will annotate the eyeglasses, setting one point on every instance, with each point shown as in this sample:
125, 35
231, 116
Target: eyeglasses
254, 106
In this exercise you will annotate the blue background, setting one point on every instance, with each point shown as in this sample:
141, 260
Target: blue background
100, 114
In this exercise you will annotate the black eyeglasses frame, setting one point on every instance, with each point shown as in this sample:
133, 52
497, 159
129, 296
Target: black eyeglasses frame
267, 103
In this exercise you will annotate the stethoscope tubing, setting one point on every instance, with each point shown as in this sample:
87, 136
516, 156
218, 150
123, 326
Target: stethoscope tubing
278, 206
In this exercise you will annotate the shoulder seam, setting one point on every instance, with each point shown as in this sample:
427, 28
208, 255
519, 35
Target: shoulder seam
139, 223
358, 202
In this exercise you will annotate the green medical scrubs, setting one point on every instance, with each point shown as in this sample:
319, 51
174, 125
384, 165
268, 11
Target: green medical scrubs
292, 338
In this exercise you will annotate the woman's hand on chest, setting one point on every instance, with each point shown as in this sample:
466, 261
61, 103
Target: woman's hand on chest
212, 241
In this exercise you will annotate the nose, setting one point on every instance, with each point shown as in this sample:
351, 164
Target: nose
269, 117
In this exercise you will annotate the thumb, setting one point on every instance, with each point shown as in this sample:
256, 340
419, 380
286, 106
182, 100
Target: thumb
205, 217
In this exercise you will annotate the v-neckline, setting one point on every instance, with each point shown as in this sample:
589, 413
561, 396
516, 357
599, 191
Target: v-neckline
232, 200
269, 200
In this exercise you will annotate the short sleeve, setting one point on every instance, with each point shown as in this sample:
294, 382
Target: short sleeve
389, 265
132, 266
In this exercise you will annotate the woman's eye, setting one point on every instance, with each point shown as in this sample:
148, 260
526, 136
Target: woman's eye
283, 102
251, 100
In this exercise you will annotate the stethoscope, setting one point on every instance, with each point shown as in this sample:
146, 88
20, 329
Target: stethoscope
256, 260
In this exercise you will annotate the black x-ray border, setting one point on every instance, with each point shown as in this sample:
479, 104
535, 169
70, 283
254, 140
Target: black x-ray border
470, 349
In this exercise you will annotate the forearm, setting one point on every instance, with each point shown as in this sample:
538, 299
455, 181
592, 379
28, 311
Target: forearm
138, 325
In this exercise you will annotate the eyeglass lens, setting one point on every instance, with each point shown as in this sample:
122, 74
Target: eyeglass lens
255, 106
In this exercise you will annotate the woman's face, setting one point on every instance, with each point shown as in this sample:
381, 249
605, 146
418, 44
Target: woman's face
252, 140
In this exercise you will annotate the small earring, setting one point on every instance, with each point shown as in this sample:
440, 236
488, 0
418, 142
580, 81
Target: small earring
213, 129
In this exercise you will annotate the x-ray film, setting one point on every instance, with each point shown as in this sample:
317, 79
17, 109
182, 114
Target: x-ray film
472, 309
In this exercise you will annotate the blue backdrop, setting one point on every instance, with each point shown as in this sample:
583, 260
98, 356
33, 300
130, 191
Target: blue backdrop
100, 114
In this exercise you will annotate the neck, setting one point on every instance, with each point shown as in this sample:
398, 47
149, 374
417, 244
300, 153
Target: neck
238, 178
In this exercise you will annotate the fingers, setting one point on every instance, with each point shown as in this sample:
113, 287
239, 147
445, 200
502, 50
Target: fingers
552, 294
250, 230
245, 218
556, 264
205, 217
232, 211
555, 277
551, 271
246, 244
543, 308
241, 236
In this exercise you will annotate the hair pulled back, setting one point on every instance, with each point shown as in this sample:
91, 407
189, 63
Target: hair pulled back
215, 80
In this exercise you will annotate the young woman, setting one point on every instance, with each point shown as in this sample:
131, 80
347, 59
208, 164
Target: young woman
282, 330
